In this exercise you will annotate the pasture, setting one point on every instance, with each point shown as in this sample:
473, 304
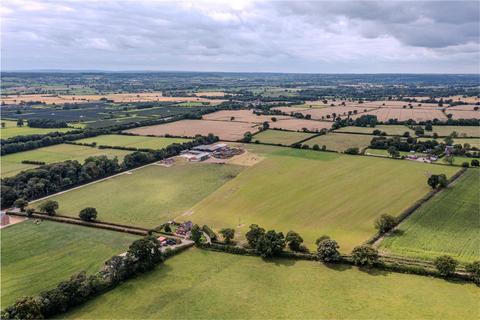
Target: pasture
210, 285
35, 257
340, 141
395, 130
285, 138
113, 140
226, 130
300, 125
11, 130
316, 193
12, 163
463, 131
149, 196
473, 142
447, 224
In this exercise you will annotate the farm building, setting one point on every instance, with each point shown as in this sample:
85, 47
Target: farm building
211, 147
196, 156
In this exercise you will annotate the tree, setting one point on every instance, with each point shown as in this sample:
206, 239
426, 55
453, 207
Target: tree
445, 265
274, 119
3, 125
365, 255
145, 252
419, 131
385, 223
265, 125
254, 234
448, 140
473, 270
196, 234
321, 238
227, 234
428, 126
475, 163
20, 123
247, 137
49, 207
21, 203
167, 228
232, 118
442, 181
437, 180
393, 152
270, 244
294, 241
449, 159
327, 250
24, 308
316, 147
88, 214
352, 150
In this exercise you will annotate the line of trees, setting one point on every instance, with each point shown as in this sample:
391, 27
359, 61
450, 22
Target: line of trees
47, 123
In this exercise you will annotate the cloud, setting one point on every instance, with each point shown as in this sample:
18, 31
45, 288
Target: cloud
289, 36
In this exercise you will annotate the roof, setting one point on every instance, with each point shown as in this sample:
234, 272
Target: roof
210, 147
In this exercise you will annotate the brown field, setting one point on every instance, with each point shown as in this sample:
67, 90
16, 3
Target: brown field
240, 116
384, 114
461, 114
465, 107
322, 113
299, 124
225, 130
210, 94
464, 99
116, 97
399, 104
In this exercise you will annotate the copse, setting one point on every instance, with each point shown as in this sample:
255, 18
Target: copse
270, 244
49, 207
445, 265
365, 255
294, 241
254, 234
88, 214
385, 223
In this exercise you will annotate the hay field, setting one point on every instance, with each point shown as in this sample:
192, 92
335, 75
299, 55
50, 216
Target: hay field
465, 107
35, 257
211, 285
210, 94
397, 130
11, 130
12, 163
241, 116
325, 113
384, 114
463, 114
226, 130
316, 193
341, 141
149, 196
400, 104
285, 138
463, 131
300, 124
133, 141
447, 224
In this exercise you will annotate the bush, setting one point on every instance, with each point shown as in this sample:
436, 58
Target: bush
465, 164
445, 265
88, 214
24, 308
365, 255
227, 234
49, 207
327, 250
475, 163
385, 223
473, 270
21, 204
196, 234
354, 150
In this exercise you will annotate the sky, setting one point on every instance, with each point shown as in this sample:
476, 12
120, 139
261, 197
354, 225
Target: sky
242, 36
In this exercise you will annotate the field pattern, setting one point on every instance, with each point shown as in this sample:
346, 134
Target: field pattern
418, 115
301, 124
447, 224
35, 257
467, 131
340, 141
133, 141
11, 130
285, 138
240, 116
397, 130
209, 285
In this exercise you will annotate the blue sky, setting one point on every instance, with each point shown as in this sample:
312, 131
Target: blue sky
250, 36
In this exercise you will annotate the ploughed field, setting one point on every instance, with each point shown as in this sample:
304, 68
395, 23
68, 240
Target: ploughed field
285, 138
35, 257
447, 224
210, 285
141, 142
149, 196
340, 141
12, 163
316, 193
11, 130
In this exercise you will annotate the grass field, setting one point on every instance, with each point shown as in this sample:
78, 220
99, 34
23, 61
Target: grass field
443, 131
383, 152
114, 140
12, 163
37, 257
340, 141
11, 130
389, 129
149, 196
285, 138
447, 224
473, 142
210, 285
316, 193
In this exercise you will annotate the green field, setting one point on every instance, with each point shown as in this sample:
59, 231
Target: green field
473, 142
443, 131
285, 138
447, 224
397, 130
316, 193
209, 285
11, 130
114, 140
383, 152
12, 163
340, 141
149, 196
37, 257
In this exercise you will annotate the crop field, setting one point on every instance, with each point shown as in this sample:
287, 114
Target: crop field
385, 114
340, 141
149, 196
227, 130
316, 193
11, 130
241, 116
35, 257
463, 114
327, 112
300, 125
447, 224
12, 163
397, 130
285, 138
133, 141
462, 131
210, 285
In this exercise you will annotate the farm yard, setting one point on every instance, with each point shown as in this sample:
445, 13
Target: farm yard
340, 141
435, 228
210, 285
285, 138
36, 256
11, 130
231, 131
316, 193
149, 196
12, 163
395, 130
141, 142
